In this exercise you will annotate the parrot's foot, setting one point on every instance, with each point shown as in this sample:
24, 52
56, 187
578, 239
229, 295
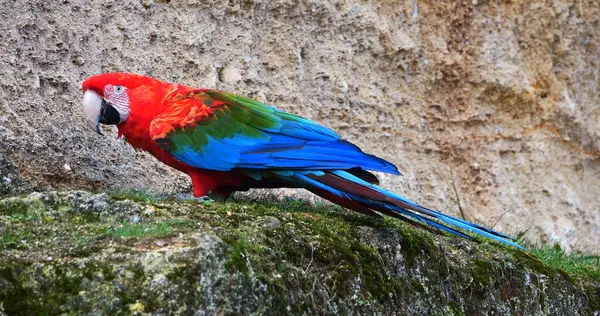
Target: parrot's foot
191, 197
205, 198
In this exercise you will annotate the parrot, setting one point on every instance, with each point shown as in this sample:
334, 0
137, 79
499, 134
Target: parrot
226, 142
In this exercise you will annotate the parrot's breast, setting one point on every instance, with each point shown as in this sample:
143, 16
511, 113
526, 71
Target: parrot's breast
138, 136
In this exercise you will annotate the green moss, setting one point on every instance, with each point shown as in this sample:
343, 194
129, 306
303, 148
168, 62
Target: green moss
15, 207
293, 256
136, 195
531, 262
324, 247
593, 295
317, 240
159, 229
12, 239
239, 246
40, 297
19, 217
481, 271
415, 244
455, 309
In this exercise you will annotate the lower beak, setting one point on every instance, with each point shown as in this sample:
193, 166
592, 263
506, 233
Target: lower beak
96, 110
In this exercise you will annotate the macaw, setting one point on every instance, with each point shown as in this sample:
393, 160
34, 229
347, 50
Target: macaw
226, 143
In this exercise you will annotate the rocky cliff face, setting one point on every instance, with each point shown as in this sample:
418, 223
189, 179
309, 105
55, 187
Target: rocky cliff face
491, 103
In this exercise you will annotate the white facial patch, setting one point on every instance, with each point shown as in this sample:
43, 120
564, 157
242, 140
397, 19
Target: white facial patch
92, 104
117, 97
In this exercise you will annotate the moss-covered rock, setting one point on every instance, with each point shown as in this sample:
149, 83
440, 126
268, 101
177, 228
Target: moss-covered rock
73, 252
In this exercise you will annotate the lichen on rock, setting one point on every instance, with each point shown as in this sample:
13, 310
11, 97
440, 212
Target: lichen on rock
76, 251
494, 103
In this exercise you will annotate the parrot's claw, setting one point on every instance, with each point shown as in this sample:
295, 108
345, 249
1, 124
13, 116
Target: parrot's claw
190, 197
205, 198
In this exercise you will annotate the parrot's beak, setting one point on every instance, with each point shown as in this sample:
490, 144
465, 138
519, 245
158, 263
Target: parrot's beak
96, 110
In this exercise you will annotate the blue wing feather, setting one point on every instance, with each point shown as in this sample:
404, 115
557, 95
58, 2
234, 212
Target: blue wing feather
279, 150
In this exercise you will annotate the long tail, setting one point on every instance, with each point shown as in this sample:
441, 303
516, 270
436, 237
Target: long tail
348, 190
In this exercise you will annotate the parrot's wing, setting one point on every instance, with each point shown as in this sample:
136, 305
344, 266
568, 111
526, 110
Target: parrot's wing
216, 130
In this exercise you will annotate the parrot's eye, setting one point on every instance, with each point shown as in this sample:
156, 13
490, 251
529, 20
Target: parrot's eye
118, 90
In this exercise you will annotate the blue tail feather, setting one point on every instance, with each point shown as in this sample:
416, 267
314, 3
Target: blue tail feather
418, 207
410, 210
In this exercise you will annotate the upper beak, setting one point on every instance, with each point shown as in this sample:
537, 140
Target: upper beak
92, 106
96, 110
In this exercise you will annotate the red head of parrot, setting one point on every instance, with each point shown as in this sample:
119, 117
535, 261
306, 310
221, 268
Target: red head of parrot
109, 98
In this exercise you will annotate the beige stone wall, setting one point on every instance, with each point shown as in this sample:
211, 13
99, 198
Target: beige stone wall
498, 99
